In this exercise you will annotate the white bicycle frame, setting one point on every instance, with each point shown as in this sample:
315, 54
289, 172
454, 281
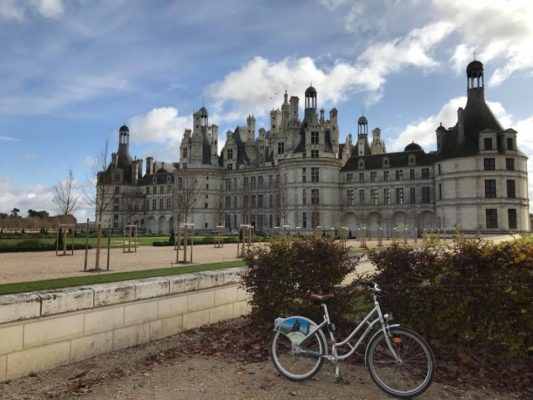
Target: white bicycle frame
335, 357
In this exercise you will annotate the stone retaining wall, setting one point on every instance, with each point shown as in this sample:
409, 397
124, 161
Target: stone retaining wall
42, 330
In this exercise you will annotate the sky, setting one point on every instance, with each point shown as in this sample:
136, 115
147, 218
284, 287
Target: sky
73, 71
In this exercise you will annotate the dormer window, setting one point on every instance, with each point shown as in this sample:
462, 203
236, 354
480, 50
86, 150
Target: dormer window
510, 145
230, 154
361, 164
385, 162
314, 137
487, 143
154, 180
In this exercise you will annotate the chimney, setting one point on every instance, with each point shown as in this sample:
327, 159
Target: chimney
149, 165
461, 125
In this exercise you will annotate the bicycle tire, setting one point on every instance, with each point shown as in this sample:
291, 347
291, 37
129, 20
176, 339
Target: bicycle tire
418, 363
300, 363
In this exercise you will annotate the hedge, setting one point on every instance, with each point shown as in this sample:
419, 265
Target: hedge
36, 245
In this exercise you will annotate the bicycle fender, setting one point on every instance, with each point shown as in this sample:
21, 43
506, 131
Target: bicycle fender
375, 334
298, 326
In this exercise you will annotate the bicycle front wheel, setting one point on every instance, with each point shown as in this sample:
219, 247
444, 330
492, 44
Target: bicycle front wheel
408, 376
295, 361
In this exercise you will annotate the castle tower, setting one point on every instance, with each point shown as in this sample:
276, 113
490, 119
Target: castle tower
378, 145
123, 140
362, 136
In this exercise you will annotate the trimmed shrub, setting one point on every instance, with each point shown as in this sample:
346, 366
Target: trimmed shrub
282, 276
475, 295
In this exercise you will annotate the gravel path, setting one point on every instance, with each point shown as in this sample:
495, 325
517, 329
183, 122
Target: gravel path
132, 374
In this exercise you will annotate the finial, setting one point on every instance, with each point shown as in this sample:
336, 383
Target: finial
203, 101
474, 53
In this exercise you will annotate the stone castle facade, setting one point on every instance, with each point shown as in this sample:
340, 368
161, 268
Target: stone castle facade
298, 173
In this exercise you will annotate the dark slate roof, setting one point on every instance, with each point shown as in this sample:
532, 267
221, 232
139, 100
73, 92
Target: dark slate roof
396, 160
413, 147
477, 117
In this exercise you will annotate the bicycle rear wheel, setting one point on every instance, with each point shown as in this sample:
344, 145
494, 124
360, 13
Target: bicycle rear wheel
409, 377
297, 362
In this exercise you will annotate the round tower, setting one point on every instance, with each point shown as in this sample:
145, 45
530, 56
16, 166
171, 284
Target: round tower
362, 125
310, 97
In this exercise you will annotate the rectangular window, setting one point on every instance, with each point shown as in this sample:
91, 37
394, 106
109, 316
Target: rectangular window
511, 216
314, 153
425, 173
252, 201
228, 202
154, 204
314, 137
489, 164
412, 174
511, 188
361, 196
161, 189
490, 188
230, 167
245, 183
374, 197
304, 175
260, 182
161, 203
440, 191
426, 194
349, 178
440, 169
281, 148
304, 220
399, 195
315, 197
228, 185
206, 205
115, 208
509, 164
260, 203
385, 176
230, 154
412, 195
169, 188
304, 197
510, 145
169, 204
361, 176
315, 177
117, 189
487, 142
491, 215
386, 196
399, 174
350, 197
147, 189
252, 182
373, 175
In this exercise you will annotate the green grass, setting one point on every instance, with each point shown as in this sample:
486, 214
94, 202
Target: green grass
95, 278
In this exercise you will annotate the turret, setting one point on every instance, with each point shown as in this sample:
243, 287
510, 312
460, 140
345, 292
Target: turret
149, 165
475, 80
310, 103
440, 132
362, 136
123, 139
294, 109
250, 129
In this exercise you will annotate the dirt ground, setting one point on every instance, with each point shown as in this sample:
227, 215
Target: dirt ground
34, 266
133, 374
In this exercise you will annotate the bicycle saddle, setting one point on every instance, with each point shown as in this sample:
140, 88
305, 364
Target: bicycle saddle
321, 298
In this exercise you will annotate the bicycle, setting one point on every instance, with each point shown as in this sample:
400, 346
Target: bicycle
400, 361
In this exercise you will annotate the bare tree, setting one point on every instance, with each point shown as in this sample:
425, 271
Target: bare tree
100, 193
65, 202
186, 190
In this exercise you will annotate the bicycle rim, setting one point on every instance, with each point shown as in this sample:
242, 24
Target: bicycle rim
413, 375
297, 362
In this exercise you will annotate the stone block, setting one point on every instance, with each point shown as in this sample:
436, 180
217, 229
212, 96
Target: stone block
220, 313
113, 293
200, 300
52, 330
89, 346
17, 307
242, 294
209, 279
138, 313
65, 300
183, 283
151, 287
241, 308
232, 275
131, 336
195, 319
165, 327
37, 359
103, 320
3, 368
225, 295
172, 306
10, 339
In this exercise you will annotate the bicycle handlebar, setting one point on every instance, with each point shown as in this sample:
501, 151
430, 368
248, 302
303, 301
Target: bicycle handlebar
371, 285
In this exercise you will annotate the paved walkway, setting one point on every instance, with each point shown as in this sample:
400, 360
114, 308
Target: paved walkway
33, 266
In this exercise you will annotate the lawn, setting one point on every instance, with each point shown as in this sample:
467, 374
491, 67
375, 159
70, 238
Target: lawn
95, 278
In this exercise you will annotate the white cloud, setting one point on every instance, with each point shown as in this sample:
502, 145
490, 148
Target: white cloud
17, 9
500, 30
258, 86
159, 125
35, 197
8, 139
50, 8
